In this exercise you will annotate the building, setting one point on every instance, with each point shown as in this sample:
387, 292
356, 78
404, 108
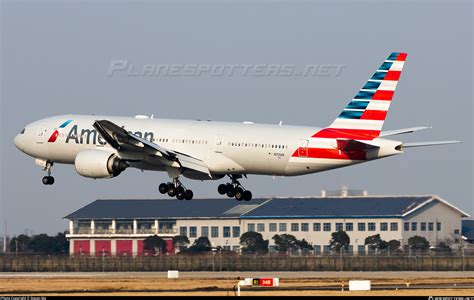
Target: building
118, 227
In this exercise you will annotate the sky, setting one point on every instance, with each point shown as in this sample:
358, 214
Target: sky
88, 57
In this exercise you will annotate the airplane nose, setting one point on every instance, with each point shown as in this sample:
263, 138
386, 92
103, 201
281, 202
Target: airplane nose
18, 142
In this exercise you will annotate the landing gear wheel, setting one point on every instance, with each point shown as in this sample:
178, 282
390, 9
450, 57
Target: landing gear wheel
48, 180
172, 191
188, 195
180, 195
247, 195
163, 188
231, 192
239, 194
222, 189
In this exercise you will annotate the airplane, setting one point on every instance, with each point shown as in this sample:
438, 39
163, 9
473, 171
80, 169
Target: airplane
104, 146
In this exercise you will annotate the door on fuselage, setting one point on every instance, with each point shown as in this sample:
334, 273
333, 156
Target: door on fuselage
218, 143
41, 135
303, 148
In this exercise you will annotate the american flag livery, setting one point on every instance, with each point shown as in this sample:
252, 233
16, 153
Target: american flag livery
363, 117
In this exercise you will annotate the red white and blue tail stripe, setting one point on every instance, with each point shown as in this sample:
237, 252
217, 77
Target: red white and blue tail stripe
363, 117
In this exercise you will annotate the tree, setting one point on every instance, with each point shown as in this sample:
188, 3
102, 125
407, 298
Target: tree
374, 242
417, 242
304, 246
285, 243
155, 245
20, 243
443, 247
393, 246
339, 241
200, 245
180, 242
253, 243
42, 243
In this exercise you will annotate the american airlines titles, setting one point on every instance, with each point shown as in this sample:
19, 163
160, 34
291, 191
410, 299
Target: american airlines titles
90, 136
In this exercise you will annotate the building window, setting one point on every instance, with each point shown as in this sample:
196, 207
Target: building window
394, 226
339, 227
361, 249
282, 227
317, 249
251, 227
226, 232
272, 227
183, 230
304, 227
430, 226
327, 226
193, 231
371, 226
317, 227
260, 227
361, 226
236, 231
226, 248
205, 231
423, 226
414, 226
349, 226
438, 226
214, 231
406, 226
235, 248
327, 249
295, 227
383, 226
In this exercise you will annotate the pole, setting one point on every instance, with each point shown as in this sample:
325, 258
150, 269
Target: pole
340, 256
5, 239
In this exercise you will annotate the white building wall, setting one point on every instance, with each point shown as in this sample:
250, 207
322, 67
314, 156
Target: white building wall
434, 212
322, 238
222, 241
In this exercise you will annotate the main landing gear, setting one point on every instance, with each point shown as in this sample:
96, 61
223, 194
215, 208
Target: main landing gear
235, 189
176, 189
48, 180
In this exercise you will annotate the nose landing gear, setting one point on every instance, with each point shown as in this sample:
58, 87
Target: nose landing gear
234, 189
48, 180
176, 189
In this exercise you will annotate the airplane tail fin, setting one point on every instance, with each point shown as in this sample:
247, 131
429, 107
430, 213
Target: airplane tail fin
363, 117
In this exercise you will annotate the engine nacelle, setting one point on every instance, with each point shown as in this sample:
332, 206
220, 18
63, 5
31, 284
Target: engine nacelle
99, 164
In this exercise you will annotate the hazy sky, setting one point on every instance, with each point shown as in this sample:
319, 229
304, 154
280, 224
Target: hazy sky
55, 56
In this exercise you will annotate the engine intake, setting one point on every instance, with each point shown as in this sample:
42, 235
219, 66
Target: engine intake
99, 164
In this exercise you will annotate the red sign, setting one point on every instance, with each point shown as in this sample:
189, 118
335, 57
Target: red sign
266, 282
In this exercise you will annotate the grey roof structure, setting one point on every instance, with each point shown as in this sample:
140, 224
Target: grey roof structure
161, 209
311, 207
382, 206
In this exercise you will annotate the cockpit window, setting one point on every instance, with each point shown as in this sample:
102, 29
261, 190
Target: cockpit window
23, 131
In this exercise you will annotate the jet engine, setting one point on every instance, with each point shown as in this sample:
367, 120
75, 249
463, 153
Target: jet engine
99, 164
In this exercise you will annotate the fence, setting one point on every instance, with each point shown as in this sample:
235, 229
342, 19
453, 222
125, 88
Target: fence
216, 262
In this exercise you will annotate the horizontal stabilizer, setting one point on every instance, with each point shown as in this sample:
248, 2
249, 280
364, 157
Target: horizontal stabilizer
402, 131
348, 144
423, 144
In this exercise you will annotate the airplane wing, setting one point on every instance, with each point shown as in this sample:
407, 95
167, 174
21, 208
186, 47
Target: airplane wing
402, 131
122, 140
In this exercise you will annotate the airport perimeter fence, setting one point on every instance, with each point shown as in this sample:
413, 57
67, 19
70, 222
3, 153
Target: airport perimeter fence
216, 263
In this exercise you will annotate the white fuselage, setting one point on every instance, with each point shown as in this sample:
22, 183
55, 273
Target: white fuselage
226, 148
